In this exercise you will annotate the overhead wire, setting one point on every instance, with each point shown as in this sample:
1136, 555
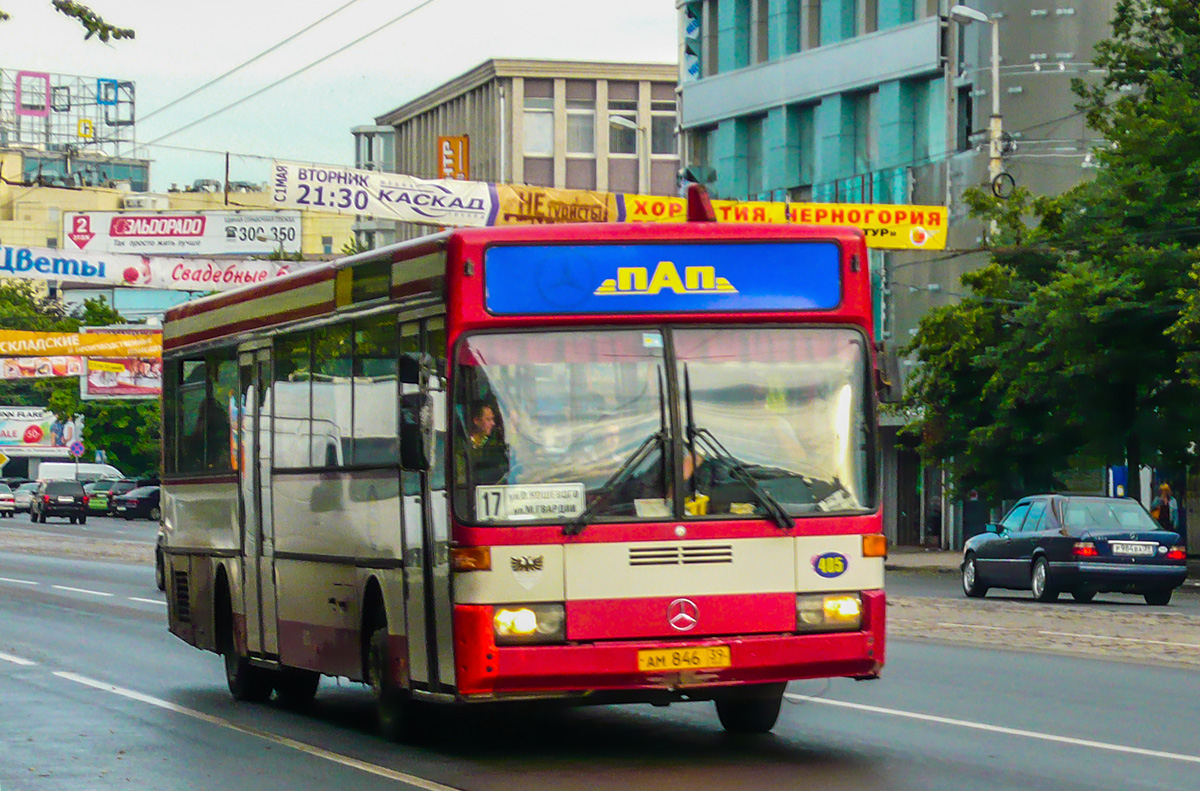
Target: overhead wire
246, 63
297, 72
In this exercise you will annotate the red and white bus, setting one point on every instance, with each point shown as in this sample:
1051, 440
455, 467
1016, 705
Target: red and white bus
589, 463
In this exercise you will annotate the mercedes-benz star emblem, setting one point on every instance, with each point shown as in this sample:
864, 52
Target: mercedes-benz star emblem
683, 614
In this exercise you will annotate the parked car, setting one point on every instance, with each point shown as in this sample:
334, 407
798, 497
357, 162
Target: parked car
8, 502
119, 487
59, 498
97, 493
23, 495
141, 502
1052, 543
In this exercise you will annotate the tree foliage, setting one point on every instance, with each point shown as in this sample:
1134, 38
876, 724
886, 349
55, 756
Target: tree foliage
127, 430
1078, 341
92, 22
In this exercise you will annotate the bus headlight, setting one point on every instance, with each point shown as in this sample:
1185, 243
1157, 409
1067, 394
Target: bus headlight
828, 612
529, 624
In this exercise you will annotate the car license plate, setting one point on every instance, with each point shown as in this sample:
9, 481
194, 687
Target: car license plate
709, 657
1133, 548
66, 499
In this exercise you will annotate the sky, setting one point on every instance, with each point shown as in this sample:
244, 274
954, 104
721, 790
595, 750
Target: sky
180, 46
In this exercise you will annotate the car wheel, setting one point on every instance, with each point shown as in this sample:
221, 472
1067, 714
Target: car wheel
155, 513
752, 709
83, 520
160, 571
970, 578
1039, 582
1083, 595
1158, 598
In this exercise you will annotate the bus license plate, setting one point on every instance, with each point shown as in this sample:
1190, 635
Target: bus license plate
709, 657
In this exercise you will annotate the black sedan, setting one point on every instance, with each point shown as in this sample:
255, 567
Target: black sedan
1052, 543
140, 502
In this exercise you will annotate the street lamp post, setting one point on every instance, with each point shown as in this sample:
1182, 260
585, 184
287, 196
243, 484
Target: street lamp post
643, 149
964, 15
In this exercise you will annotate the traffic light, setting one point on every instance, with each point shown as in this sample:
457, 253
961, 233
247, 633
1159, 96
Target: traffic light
692, 9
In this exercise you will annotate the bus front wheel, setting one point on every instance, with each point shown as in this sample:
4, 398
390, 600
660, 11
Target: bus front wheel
750, 709
392, 704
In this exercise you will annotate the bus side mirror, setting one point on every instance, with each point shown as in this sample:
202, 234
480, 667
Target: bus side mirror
414, 365
416, 431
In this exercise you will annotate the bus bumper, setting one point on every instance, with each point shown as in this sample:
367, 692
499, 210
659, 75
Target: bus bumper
485, 670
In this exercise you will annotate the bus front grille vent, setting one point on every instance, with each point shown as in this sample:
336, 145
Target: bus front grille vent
183, 607
686, 555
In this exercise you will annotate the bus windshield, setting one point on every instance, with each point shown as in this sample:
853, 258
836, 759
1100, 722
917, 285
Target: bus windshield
543, 422
781, 411
548, 424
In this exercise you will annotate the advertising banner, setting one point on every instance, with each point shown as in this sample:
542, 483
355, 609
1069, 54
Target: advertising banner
387, 196
121, 378
127, 378
183, 232
886, 226
538, 205
115, 269
40, 367
454, 158
34, 427
16, 343
474, 204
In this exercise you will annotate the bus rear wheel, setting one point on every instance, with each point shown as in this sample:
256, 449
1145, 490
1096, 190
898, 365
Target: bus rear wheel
246, 682
295, 687
393, 706
750, 709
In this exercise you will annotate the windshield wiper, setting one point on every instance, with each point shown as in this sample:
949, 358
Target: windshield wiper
776, 511
639, 455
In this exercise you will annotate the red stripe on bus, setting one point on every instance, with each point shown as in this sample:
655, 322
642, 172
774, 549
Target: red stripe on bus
504, 535
261, 322
424, 285
332, 650
635, 619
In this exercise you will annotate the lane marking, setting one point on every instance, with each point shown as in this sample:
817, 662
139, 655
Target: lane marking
148, 601
16, 660
80, 590
980, 726
17, 582
308, 749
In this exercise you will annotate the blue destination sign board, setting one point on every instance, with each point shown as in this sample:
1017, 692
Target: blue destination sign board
662, 278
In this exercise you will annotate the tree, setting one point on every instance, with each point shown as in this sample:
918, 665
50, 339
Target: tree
1085, 307
127, 430
92, 22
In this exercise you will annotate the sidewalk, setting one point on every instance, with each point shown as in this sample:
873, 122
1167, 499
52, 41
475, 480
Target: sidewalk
940, 560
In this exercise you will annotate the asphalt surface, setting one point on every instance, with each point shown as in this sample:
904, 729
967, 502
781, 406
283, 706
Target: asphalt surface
95, 694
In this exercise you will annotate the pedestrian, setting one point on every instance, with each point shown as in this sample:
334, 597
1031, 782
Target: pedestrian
1165, 509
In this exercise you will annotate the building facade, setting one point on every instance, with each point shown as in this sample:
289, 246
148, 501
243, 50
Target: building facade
889, 101
609, 127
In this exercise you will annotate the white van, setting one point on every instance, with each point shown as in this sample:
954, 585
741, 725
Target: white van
69, 470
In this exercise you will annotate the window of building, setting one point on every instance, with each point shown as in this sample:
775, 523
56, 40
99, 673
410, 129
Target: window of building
870, 16
581, 126
759, 35
811, 23
966, 116
622, 139
327, 244
662, 127
866, 138
710, 42
752, 129
539, 117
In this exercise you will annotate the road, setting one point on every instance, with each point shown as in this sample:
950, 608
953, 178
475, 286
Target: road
95, 694
942, 585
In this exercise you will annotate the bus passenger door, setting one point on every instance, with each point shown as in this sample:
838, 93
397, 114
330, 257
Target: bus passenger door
254, 448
